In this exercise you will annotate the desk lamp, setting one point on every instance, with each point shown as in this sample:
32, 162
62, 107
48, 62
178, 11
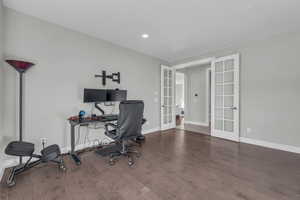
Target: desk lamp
21, 67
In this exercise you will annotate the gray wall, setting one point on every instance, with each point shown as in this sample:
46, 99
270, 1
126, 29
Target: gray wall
179, 94
196, 83
270, 88
66, 62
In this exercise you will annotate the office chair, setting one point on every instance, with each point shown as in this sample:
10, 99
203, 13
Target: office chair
128, 127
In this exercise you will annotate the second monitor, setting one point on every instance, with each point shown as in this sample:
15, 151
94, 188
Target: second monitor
116, 95
100, 95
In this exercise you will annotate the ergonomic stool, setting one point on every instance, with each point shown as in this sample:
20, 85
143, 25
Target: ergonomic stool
19, 148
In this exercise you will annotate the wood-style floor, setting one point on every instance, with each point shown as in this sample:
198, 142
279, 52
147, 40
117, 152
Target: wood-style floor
175, 165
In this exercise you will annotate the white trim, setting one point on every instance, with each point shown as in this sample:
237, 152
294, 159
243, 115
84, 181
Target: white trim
236, 133
271, 145
78, 147
196, 123
195, 62
225, 135
6, 164
151, 130
208, 60
173, 82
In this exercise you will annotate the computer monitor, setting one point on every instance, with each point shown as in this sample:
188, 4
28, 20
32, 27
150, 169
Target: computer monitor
94, 95
116, 95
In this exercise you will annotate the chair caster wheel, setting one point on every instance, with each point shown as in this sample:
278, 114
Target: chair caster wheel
111, 162
62, 168
130, 161
10, 183
138, 155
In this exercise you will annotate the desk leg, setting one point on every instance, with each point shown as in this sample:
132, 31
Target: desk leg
73, 154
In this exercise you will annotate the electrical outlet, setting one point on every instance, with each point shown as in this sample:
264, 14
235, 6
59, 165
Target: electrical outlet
249, 130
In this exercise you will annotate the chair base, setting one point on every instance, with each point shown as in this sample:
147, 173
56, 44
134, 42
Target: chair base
119, 150
140, 140
129, 154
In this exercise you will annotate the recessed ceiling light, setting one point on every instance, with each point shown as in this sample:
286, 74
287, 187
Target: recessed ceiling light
145, 36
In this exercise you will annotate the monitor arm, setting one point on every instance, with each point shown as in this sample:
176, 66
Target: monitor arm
115, 77
98, 108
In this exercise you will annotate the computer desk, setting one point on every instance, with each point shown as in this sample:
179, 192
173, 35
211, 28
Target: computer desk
85, 121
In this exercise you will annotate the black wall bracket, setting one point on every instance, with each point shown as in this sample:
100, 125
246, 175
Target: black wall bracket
100, 109
115, 77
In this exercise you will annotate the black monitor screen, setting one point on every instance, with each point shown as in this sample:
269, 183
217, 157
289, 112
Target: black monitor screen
94, 95
116, 95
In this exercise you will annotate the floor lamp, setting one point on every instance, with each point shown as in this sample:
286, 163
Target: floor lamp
21, 67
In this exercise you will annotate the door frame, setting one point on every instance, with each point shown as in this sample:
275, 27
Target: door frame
208, 60
236, 98
173, 124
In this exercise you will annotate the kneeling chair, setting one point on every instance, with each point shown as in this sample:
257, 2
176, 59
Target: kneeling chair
19, 148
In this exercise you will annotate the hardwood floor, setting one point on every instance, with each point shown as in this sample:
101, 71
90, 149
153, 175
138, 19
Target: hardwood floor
174, 165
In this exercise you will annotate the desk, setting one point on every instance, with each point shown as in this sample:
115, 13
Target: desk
85, 121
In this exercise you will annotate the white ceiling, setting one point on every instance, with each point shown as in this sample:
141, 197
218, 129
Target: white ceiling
178, 29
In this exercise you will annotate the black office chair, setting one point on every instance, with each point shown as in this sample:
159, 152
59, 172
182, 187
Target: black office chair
128, 127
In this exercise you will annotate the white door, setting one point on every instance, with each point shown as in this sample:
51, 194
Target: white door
225, 97
167, 98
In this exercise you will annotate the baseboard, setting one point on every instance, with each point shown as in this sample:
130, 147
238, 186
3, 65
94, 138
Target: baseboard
1, 171
151, 130
79, 147
6, 164
197, 123
14, 161
65, 150
271, 145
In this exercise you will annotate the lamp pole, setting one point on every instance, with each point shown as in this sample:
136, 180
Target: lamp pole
21, 67
21, 111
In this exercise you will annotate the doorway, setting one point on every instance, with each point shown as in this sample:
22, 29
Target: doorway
179, 100
220, 115
195, 81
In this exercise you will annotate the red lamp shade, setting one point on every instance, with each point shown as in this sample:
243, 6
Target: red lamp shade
20, 66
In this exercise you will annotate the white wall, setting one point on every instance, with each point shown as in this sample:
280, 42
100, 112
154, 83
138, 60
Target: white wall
270, 85
179, 90
66, 62
180, 95
196, 83
1, 70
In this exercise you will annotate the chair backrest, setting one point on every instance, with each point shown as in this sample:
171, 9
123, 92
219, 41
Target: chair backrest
130, 119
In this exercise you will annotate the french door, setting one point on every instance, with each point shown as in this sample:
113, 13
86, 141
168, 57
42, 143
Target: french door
225, 97
167, 98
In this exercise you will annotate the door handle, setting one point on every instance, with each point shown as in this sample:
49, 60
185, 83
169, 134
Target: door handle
234, 108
